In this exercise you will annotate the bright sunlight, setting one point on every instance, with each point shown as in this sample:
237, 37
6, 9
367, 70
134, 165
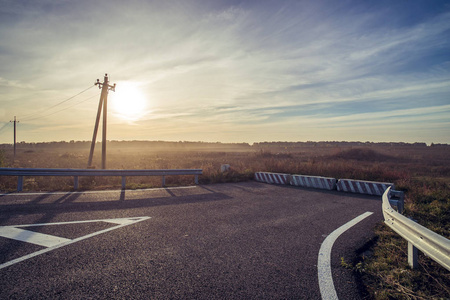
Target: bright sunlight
128, 101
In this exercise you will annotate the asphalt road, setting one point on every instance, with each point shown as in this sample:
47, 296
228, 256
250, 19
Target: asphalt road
223, 241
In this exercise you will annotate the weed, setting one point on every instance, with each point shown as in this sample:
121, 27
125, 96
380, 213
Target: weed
387, 275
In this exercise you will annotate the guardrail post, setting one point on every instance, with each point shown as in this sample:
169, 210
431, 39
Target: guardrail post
124, 179
412, 256
401, 206
19, 183
401, 200
196, 179
163, 180
400, 203
75, 182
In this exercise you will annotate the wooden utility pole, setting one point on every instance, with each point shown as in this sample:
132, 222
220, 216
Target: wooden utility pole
103, 102
15, 121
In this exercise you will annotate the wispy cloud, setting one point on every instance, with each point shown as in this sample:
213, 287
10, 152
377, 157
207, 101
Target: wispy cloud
224, 67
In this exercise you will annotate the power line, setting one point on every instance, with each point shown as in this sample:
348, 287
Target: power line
26, 117
4, 126
55, 112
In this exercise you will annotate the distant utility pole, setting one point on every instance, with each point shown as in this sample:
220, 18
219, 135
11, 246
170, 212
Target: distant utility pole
103, 102
15, 121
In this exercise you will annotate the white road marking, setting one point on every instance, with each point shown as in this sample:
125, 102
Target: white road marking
36, 238
115, 221
326, 285
97, 192
121, 223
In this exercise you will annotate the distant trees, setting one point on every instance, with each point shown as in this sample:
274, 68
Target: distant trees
198, 145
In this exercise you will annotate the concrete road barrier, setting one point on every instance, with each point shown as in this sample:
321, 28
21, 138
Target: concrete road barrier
317, 182
276, 178
363, 187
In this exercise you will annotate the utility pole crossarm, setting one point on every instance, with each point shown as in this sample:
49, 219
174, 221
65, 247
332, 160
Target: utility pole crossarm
106, 83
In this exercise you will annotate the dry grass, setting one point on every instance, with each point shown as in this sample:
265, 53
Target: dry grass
422, 172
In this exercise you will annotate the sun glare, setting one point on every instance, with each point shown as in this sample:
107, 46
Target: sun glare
128, 101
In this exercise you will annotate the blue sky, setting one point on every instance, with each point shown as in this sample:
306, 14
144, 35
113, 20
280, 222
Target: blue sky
228, 71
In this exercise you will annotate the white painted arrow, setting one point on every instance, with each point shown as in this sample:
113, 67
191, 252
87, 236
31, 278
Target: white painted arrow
54, 242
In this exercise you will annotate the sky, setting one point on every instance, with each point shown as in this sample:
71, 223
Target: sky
226, 71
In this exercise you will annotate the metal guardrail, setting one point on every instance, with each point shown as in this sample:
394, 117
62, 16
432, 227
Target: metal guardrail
21, 172
420, 238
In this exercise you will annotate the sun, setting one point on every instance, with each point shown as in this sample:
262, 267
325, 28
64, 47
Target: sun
128, 101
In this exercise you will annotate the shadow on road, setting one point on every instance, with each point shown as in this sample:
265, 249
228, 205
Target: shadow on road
67, 203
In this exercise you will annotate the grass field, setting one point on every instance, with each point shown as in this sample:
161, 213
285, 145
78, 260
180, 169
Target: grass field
422, 172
